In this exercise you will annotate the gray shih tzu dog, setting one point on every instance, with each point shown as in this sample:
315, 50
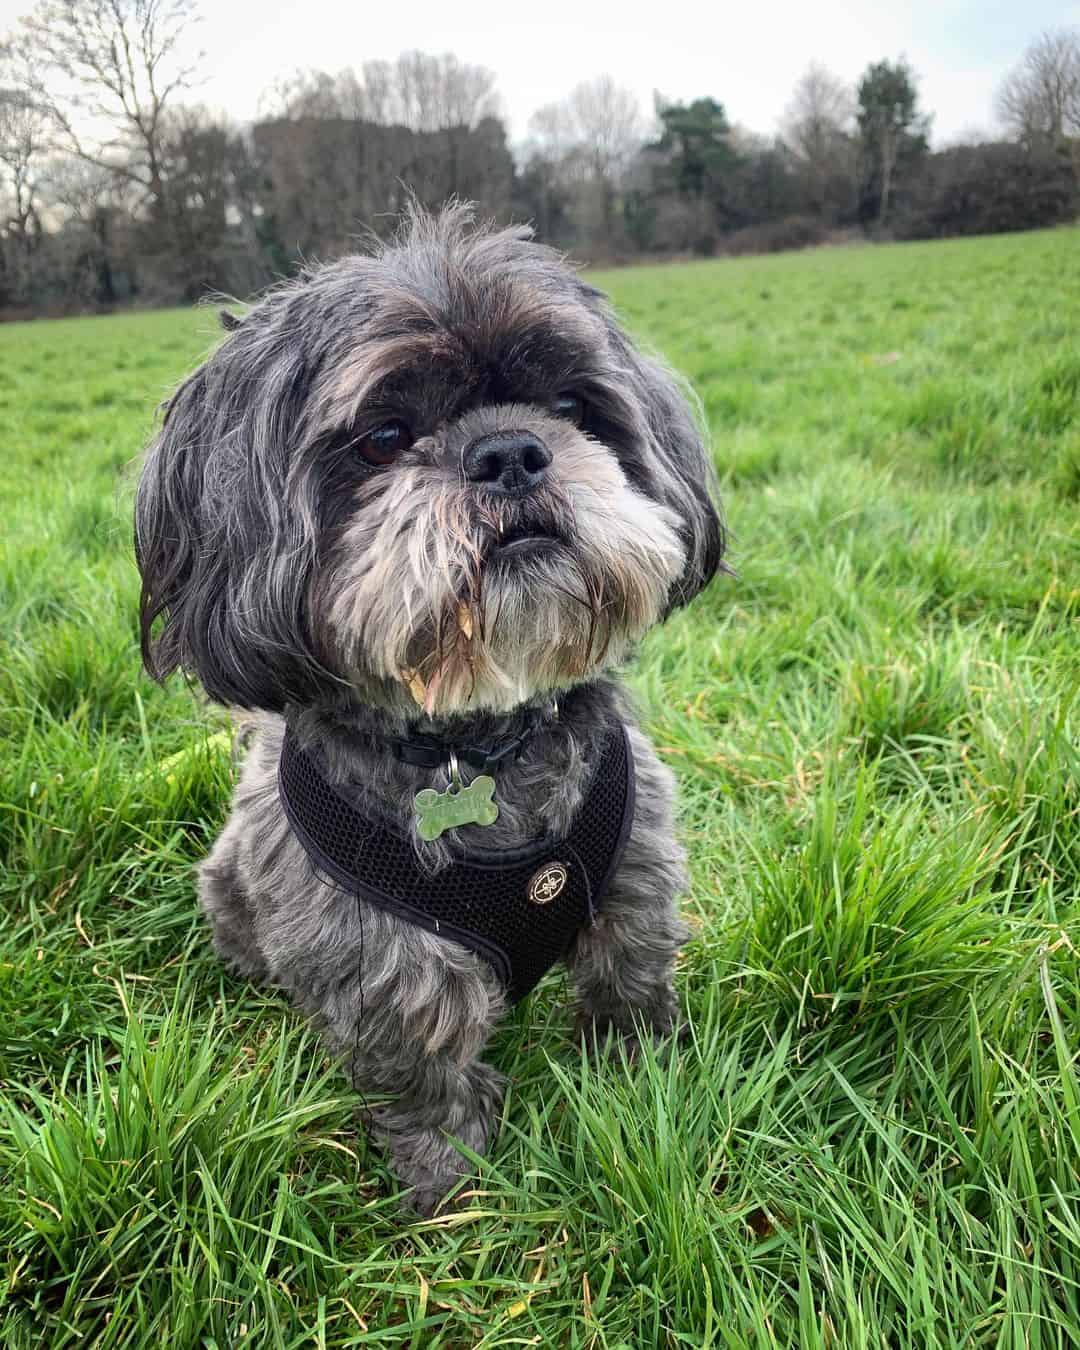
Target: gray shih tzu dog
415, 510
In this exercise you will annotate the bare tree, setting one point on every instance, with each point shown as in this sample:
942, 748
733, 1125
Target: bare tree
84, 191
107, 72
22, 148
590, 139
1039, 101
816, 130
344, 152
304, 93
95, 237
602, 121
432, 93
419, 91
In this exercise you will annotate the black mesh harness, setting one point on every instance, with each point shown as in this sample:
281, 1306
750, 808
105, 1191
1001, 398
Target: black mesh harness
519, 909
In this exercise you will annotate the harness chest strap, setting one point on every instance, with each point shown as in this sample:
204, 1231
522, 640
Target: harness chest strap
519, 909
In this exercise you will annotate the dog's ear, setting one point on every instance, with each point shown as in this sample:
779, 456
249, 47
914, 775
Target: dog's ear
168, 525
681, 467
223, 552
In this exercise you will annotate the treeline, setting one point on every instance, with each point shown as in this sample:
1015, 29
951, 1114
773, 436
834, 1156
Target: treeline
116, 190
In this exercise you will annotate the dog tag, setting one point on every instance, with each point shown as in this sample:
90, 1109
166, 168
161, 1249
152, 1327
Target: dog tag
472, 805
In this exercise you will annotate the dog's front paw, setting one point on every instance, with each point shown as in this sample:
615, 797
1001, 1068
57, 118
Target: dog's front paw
425, 1158
427, 1185
431, 1197
659, 1021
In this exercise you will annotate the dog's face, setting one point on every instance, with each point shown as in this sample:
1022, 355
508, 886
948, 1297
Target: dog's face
438, 477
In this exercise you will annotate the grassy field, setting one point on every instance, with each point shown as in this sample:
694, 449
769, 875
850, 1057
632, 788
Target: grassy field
873, 1135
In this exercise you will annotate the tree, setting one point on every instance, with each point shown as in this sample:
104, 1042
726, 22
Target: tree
22, 145
696, 137
93, 216
697, 161
589, 140
606, 120
195, 165
761, 186
1039, 101
987, 188
344, 152
891, 131
417, 90
341, 153
429, 93
541, 197
113, 65
816, 131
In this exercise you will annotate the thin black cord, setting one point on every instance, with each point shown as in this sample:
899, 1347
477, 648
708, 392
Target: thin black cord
360, 963
365, 1109
588, 884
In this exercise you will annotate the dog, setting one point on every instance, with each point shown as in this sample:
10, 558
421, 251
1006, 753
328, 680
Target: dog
415, 511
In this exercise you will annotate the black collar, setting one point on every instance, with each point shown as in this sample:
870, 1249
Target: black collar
432, 752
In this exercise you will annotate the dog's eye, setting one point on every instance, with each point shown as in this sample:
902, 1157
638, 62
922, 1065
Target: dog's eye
382, 445
569, 407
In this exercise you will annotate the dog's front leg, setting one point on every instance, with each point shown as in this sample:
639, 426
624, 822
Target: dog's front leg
622, 966
412, 1024
440, 1099
224, 899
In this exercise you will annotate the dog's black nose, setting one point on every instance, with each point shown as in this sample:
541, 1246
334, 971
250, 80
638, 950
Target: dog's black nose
511, 462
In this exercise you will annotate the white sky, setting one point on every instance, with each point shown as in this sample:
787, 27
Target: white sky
747, 55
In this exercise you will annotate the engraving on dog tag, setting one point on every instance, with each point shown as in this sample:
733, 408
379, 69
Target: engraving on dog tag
472, 805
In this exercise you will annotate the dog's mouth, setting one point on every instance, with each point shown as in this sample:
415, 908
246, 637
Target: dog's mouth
525, 538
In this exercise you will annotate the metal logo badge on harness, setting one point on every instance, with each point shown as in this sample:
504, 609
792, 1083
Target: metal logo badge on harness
547, 884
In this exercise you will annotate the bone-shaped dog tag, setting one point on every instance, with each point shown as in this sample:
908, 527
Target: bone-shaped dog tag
472, 805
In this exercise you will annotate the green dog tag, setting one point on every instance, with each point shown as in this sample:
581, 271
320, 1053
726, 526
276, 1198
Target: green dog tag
472, 805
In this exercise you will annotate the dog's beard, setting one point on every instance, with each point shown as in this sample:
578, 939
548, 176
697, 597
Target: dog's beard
474, 601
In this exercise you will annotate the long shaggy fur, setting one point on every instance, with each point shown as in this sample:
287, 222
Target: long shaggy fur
292, 578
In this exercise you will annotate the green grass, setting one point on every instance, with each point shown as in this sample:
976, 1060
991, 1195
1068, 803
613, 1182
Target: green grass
872, 1137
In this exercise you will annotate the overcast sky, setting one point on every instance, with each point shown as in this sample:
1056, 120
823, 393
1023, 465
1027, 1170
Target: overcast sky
747, 55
